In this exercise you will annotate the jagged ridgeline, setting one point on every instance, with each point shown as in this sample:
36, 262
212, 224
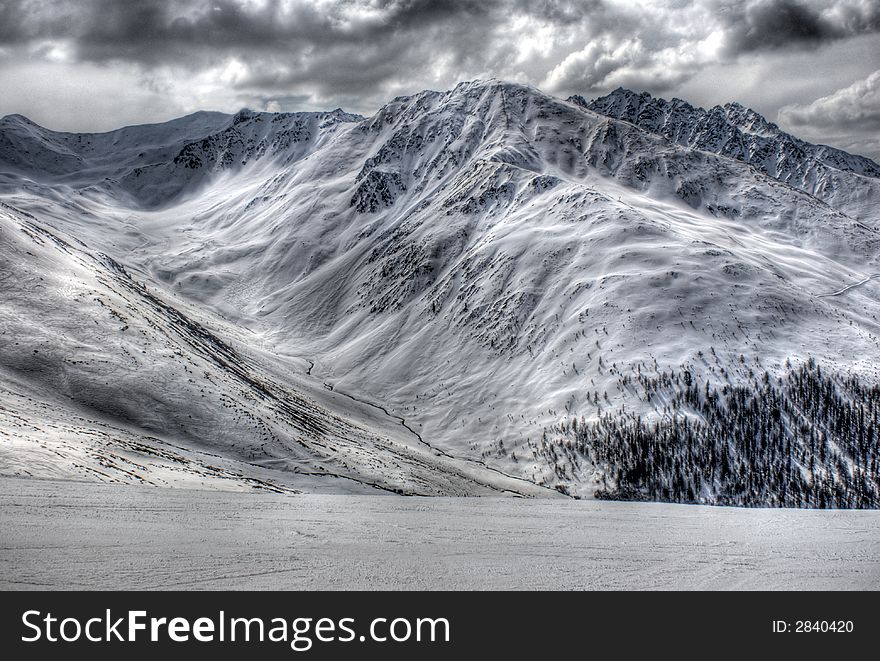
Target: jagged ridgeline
806, 439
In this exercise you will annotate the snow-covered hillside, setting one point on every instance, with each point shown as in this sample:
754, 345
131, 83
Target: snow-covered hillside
487, 263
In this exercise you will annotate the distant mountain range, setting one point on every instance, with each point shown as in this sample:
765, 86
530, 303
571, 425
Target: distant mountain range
472, 291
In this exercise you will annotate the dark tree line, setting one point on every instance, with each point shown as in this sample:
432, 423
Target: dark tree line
806, 439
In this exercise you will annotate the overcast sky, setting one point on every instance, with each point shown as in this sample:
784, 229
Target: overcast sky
811, 65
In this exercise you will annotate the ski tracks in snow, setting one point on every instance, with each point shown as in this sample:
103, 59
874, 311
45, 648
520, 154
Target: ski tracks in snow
852, 286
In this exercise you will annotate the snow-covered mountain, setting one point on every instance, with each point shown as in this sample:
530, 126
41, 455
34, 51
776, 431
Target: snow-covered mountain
487, 264
156, 163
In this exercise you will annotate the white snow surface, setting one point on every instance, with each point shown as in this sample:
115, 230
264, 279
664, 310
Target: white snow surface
103, 537
458, 272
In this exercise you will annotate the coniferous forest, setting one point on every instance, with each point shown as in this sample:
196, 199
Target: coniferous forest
806, 439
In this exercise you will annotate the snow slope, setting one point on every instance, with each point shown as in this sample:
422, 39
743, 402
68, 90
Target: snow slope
105, 537
486, 262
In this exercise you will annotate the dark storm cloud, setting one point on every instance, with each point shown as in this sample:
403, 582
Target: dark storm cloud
560, 12
151, 31
763, 25
156, 30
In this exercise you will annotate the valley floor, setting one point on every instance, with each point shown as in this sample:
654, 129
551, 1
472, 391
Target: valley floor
72, 535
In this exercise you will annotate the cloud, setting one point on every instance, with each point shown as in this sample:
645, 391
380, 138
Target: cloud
659, 45
856, 105
771, 25
350, 46
762, 25
850, 114
187, 32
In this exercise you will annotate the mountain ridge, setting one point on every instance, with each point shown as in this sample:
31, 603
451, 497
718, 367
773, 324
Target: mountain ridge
155, 163
728, 130
742, 134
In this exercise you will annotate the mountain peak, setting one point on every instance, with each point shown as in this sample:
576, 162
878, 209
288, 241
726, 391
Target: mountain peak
244, 115
626, 92
748, 119
16, 119
495, 85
